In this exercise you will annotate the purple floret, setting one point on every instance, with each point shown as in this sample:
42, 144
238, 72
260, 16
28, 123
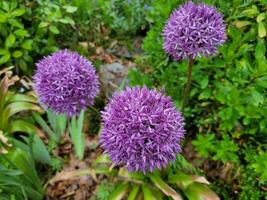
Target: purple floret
193, 30
66, 82
141, 129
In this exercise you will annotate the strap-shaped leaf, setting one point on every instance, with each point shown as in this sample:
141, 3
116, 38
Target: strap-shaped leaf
22, 126
147, 193
198, 191
119, 192
133, 193
164, 187
16, 107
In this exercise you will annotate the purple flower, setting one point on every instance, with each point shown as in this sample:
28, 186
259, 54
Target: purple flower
141, 129
66, 82
193, 30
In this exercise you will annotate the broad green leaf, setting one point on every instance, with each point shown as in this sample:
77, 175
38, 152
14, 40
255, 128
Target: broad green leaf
164, 187
18, 12
43, 24
257, 97
241, 24
54, 29
17, 54
27, 44
133, 193
119, 192
10, 40
205, 94
204, 82
261, 17
3, 17
21, 32
5, 58
70, 9
261, 30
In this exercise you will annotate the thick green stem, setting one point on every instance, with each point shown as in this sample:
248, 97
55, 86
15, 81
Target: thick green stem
188, 84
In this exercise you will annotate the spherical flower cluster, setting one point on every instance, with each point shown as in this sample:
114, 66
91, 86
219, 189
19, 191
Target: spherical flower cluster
66, 82
193, 30
141, 129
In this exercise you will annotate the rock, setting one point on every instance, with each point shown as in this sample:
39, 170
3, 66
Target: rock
111, 77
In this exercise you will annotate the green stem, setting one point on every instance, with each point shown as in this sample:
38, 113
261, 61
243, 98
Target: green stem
188, 84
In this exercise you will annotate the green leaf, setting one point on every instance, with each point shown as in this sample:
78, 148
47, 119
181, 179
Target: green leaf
204, 144
22, 126
119, 192
241, 24
17, 54
205, 94
20, 97
133, 193
70, 9
164, 187
40, 151
27, 44
257, 97
21, 32
54, 29
261, 17
45, 127
147, 193
3, 17
43, 24
261, 30
5, 58
18, 12
199, 191
204, 82
77, 135
10, 40
16, 107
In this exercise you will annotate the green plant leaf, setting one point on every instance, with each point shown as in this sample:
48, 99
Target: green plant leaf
119, 192
17, 54
147, 193
261, 30
70, 9
5, 57
199, 191
27, 44
16, 107
54, 29
18, 12
164, 187
10, 40
134, 192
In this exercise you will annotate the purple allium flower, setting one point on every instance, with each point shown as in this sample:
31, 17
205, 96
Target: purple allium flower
141, 129
66, 82
193, 30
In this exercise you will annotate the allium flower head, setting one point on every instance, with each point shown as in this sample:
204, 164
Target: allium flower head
141, 129
66, 82
193, 30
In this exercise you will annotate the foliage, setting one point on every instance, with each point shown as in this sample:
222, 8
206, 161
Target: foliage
11, 104
19, 178
172, 182
228, 98
29, 30
77, 135
56, 125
